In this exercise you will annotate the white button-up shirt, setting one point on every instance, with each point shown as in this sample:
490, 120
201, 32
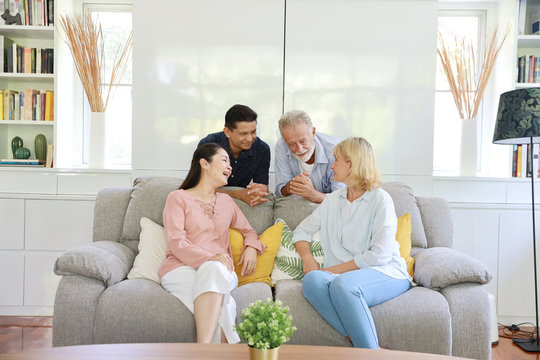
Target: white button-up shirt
364, 232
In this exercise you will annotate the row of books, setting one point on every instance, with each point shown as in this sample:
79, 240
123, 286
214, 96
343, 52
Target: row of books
521, 161
28, 104
48, 163
32, 12
528, 69
18, 59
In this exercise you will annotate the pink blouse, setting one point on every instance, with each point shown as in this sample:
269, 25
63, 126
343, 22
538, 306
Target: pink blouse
194, 237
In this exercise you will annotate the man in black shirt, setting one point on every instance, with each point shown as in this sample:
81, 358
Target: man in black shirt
249, 155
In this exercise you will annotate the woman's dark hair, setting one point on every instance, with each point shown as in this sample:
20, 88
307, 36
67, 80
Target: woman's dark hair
205, 151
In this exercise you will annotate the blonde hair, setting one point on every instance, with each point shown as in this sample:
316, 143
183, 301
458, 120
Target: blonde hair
294, 118
365, 174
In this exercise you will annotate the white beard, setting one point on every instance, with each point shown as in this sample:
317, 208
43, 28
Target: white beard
306, 156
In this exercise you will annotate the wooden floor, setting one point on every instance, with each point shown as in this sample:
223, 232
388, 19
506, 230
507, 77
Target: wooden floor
24, 333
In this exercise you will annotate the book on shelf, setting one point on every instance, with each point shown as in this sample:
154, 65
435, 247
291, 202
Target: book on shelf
521, 69
22, 162
50, 154
521, 161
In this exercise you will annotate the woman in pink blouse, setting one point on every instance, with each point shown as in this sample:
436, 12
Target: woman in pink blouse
199, 269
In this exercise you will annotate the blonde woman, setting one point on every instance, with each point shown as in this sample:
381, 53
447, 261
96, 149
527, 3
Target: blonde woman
357, 228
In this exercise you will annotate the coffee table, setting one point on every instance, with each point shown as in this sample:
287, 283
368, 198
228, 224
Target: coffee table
180, 351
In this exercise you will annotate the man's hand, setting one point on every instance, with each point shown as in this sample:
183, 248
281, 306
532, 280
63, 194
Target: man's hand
249, 261
302, 186
225, 259
255, 194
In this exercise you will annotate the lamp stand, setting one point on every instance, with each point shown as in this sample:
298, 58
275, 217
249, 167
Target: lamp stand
532, 345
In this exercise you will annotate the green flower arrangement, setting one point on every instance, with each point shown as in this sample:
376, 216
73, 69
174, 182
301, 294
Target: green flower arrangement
266, 325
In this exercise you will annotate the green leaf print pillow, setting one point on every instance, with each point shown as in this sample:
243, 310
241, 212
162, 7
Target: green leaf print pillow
288, 264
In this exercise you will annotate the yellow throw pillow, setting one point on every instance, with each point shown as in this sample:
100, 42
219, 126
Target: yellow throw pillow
403, 237
271, 237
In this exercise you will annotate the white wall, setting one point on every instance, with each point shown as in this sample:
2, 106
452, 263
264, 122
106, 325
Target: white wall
362, 68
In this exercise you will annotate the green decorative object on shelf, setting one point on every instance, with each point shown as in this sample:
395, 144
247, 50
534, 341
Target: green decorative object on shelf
22, 153
40, 147
16, 143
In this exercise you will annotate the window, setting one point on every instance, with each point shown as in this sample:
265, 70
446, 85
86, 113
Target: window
447, 130
116, 24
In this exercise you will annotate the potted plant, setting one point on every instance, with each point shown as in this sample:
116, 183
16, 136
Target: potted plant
265, 326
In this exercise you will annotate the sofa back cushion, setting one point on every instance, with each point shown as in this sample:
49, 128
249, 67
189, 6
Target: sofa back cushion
405, 202
260, 217
292, 209
147, 199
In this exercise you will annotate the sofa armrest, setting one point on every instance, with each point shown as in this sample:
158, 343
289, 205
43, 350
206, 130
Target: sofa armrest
107, 261
439, 267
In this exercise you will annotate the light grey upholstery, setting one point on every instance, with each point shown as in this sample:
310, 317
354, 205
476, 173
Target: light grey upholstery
95, 303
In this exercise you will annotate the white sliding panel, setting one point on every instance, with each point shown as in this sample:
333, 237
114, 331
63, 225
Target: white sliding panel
193, 60
366, 68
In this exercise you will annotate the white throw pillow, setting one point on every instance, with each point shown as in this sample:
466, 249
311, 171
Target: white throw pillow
152, 251
288, 264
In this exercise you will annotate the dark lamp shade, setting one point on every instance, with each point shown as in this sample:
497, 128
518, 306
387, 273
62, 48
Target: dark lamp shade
518, 117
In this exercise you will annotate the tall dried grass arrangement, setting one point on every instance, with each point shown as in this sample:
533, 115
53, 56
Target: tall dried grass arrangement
84, 38
460, 67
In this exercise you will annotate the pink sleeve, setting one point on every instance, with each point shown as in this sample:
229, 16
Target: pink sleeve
179, 245
241, 223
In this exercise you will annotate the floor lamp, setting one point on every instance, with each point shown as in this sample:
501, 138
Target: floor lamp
518, 122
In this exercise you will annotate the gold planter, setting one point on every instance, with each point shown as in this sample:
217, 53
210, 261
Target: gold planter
263, 354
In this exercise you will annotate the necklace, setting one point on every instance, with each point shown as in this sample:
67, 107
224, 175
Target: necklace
208, 208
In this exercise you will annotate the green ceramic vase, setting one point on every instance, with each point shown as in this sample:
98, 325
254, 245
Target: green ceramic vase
22, 153
40, 147
16, 143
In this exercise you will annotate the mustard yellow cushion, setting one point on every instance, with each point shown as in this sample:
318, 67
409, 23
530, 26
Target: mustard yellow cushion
271, 237
403, 237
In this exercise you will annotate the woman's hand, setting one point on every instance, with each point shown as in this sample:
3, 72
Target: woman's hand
225, 259
310, 264
249, 261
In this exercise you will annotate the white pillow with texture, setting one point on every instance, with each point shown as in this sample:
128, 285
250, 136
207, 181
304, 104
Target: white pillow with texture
152, 251
288, 264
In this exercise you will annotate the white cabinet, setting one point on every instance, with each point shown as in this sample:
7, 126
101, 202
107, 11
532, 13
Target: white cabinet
11, 279
58, 224
40, 282
11, 223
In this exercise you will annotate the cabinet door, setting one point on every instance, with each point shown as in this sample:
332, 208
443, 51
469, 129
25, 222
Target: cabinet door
12, 223
58, 224
11, 279
40, 282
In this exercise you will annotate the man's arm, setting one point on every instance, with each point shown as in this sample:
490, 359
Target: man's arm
282, 169
253, 195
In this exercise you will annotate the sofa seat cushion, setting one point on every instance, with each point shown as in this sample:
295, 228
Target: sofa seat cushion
139, 311
401, 323
148, 313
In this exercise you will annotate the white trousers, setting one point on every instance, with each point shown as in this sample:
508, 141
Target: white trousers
187, 283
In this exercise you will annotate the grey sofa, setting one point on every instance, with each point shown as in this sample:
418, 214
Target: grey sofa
447, 313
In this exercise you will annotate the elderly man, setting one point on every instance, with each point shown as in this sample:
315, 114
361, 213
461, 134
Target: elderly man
249, 155
303, 159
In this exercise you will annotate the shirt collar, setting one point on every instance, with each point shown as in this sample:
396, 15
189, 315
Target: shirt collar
367, 196
320, 154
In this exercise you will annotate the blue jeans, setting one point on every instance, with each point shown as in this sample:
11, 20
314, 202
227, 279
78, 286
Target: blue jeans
344, 300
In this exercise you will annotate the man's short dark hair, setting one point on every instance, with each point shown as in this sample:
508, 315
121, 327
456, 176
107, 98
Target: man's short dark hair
239, 113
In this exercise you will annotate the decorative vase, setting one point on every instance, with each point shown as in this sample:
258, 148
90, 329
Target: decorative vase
96, 148
40, 147
469, 147
22, 153
263, 354
16, 143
